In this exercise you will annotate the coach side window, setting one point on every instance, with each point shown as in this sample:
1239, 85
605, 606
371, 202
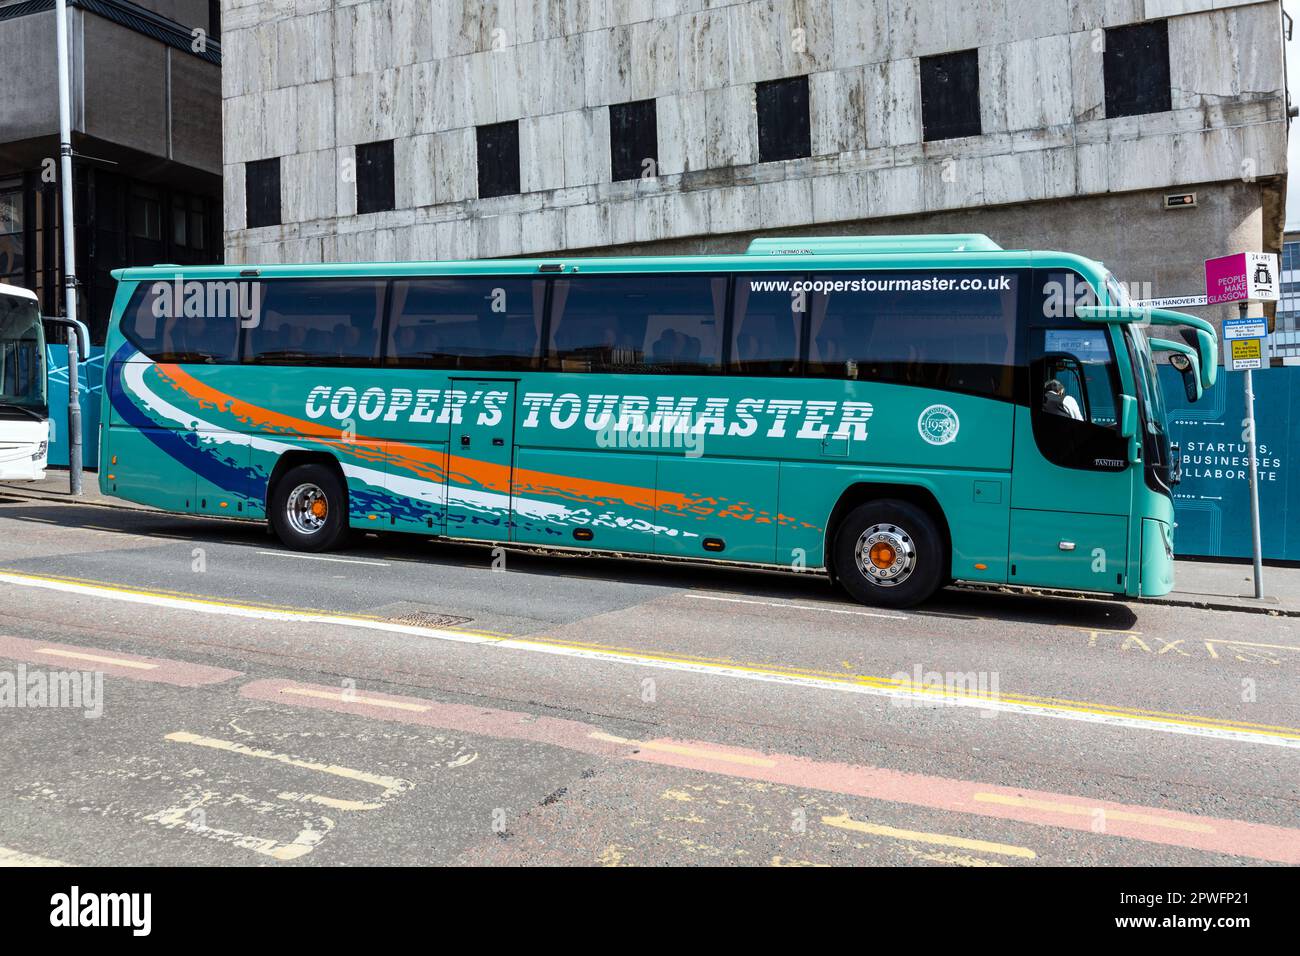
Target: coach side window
186, 321
317, 322
949, 330
638, 324
767, 325
466, 323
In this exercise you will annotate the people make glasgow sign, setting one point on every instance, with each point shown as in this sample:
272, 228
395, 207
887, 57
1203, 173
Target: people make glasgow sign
1244, 277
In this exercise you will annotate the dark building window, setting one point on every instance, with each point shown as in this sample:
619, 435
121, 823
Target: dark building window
498, 159
189, 222
783, 119
950, 95
262, 192
633, 139
121, 221
12, 203
146, 215
1137, 69
375, 177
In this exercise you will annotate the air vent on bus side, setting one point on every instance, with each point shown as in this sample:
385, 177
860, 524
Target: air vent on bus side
871, 245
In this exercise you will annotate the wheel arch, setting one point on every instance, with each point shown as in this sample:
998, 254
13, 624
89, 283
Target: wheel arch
292, 459
861, 492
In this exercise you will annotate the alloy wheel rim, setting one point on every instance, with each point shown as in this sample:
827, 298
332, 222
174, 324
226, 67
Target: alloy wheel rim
307, 508
886, 555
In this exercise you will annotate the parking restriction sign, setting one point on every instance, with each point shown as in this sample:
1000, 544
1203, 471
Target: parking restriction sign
1246, 353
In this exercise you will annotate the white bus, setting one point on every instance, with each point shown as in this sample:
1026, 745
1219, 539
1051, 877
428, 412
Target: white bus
24, 407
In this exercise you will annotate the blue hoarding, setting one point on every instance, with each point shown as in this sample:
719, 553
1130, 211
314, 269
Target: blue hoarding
1212, 505
90, 376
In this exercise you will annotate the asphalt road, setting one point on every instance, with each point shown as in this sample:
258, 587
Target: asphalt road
411, 702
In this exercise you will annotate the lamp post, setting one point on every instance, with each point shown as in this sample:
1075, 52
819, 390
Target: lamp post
69, 248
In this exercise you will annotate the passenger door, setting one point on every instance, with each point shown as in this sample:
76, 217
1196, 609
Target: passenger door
480, 440
1071, 486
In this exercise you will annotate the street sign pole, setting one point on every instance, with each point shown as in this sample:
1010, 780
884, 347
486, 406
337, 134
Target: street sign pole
1244, 278
66, 224
1254, 476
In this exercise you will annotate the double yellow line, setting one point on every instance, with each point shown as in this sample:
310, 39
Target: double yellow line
1023, 703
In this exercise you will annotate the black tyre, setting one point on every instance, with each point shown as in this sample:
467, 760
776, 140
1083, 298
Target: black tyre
890, 553
309, 508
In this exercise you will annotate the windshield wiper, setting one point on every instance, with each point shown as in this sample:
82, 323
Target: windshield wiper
24, 409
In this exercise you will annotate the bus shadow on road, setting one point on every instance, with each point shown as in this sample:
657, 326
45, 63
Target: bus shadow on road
1027, 607
1004, 604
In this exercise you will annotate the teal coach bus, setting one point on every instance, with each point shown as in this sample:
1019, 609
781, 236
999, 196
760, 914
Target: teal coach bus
897, 412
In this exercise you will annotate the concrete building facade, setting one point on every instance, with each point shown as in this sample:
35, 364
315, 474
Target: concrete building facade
146, 131
1150, 134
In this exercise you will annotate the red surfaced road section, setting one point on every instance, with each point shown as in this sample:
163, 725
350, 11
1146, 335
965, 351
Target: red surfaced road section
503, 724
68, 657
1236, 837
1045, 808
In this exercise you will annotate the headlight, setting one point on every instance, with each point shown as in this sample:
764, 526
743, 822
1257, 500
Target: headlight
40, 451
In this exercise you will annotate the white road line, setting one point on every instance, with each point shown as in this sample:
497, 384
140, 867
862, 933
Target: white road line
10, 857
332, 802
320, 557
986, 704
801, 607
185, 817
216, 606
392, 785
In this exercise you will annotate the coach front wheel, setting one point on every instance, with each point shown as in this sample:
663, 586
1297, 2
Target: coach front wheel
309, 508
890, 553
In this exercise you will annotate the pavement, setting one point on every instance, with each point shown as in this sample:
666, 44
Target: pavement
405, 701
1204, 583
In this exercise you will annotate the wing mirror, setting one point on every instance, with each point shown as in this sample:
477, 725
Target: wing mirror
1128, 426
1185, 362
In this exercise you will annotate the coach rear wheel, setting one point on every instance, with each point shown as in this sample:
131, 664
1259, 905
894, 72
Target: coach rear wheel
309, 508
890, 553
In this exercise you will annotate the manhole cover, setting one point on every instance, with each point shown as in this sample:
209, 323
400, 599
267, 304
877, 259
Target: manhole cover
430, 619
